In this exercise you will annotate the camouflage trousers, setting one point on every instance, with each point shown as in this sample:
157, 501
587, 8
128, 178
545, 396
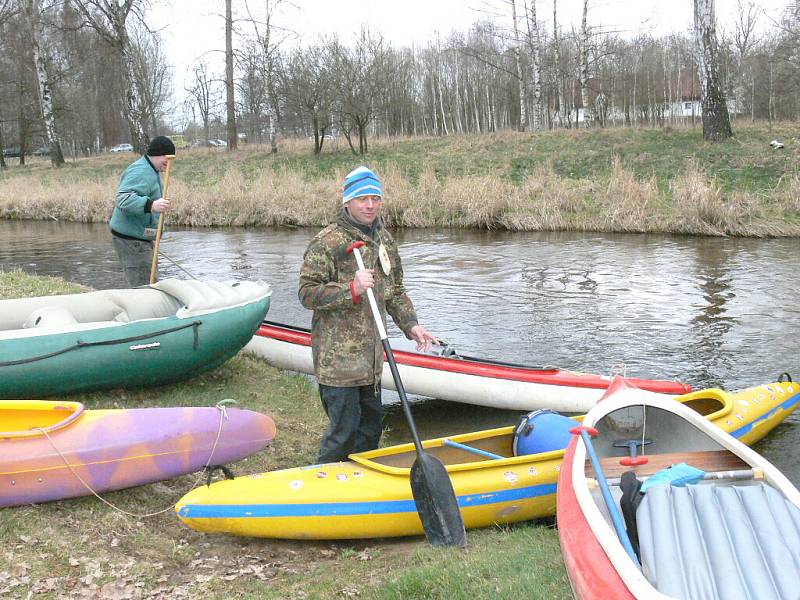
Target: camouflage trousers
356, 416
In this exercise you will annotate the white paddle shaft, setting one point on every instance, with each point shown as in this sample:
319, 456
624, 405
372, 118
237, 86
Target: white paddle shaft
374, 305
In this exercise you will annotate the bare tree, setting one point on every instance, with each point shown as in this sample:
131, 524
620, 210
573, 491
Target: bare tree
109, 19
716, 122
202, 92
744, 40
557, 73
269, 38
7, 8
583, 67
230, 106
34, 18
151, 76
535, 45
361, 74
523, 89
308, 87
252, 91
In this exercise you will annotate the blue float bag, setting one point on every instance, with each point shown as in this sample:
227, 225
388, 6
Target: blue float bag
542, 431
678, 475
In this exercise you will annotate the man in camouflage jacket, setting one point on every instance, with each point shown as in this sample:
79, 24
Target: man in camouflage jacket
348, 354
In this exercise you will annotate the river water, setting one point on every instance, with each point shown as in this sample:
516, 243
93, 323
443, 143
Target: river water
708, 311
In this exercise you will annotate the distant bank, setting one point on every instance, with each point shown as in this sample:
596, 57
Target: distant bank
605, 180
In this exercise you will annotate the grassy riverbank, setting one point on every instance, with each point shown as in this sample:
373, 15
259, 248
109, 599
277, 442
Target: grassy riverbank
83, 548
637, 180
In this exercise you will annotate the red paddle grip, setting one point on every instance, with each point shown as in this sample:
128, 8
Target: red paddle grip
355, 245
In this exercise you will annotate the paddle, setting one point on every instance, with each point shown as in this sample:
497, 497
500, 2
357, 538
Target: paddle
154, 266
586, 434
431, 487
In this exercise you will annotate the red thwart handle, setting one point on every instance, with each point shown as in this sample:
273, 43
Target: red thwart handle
590, 430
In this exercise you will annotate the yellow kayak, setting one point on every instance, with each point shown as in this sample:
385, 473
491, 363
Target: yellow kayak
369, 496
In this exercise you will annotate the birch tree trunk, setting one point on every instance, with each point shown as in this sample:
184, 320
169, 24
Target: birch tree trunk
459, 125
633, 95
584, 66
233, 138
441, 101
523, 95
557, 56
771, 104
33, 12
536, 70
716, 121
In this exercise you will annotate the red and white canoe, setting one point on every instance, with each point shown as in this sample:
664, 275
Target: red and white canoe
450, 376
734, 532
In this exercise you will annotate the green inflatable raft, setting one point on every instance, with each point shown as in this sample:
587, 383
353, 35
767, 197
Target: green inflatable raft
124, 338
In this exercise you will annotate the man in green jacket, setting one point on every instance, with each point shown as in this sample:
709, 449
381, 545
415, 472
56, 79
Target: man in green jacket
348, 355
137, 205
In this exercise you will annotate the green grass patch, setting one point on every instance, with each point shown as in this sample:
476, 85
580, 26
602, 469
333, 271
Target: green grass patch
504, 563
131, 545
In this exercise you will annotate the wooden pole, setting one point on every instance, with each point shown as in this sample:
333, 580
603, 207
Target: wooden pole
154, 267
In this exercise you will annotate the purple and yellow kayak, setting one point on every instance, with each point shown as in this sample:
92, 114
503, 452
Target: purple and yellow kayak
55, 450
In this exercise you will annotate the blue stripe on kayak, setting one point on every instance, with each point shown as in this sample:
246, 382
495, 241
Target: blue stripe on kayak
234, 511
326, 509
785, 405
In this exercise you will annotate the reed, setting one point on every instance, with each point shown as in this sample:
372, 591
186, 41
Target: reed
605, 181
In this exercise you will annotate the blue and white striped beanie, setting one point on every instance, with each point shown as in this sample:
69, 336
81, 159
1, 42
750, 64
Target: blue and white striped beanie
361, 182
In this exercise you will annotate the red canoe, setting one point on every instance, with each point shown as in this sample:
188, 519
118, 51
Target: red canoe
450, 376
691, 513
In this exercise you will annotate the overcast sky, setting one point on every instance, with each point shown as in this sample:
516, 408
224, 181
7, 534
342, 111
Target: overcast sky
194, 29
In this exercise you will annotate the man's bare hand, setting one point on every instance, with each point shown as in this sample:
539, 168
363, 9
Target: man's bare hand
364, 279
161, 205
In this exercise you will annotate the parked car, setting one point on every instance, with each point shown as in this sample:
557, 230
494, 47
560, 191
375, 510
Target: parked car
122, 148
217, 143
42, 151
11, 152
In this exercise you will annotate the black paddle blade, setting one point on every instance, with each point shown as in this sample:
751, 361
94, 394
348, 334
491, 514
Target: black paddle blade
436, 503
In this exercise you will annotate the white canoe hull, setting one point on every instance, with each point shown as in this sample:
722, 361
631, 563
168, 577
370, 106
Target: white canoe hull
457, 387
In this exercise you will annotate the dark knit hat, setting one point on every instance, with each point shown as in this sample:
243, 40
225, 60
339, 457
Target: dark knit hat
160, 145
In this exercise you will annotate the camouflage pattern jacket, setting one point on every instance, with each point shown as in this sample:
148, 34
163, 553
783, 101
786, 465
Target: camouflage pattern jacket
346, 348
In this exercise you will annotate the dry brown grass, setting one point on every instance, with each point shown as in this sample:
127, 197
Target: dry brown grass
544, 201
628, 204
63, 199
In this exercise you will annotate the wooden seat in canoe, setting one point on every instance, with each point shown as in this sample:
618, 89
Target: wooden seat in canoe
707, 460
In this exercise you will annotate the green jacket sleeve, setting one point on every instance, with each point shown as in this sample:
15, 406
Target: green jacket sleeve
137, 189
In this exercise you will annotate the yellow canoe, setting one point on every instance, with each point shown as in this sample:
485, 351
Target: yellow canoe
369, 496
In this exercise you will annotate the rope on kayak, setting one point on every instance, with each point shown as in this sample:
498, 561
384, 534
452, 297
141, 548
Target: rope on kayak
79, 344
223, 416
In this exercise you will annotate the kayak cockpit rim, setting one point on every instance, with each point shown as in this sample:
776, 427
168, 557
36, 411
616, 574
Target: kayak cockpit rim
33, 418
397, 460
712, 403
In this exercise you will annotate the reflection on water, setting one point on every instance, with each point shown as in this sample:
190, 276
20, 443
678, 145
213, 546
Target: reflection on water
709, 311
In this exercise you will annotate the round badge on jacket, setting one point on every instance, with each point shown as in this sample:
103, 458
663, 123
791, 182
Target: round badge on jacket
386, 264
